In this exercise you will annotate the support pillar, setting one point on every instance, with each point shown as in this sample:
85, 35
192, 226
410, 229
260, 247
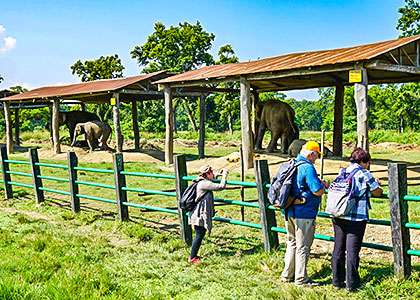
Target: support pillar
247, 143
117, 126
202, 132
9, 131
169, 122
17, 129
338, 120
255, 100
361, 98
135, 125
55, 127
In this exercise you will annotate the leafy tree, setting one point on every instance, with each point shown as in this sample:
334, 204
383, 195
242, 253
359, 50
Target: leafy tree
18, 89
102, 68
1, 78
178, 49
409, 21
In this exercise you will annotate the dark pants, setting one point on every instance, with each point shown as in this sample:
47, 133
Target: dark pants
200, 232
348, 237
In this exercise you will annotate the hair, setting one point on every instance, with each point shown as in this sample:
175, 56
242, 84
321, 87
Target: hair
204, 170
306, 153
359, 155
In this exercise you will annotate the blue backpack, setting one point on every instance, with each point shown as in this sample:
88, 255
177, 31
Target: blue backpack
279, 191
341, 195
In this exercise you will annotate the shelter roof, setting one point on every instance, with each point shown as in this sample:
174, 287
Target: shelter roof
328, 60
92, 90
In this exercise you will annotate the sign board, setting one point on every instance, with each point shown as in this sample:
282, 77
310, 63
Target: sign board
355, 76
160, 87
113, 101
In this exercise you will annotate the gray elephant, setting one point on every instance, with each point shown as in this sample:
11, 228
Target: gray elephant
278, 117
94, 131
296, 145
72, 118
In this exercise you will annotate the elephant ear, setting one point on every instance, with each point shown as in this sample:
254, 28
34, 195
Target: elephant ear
258, 109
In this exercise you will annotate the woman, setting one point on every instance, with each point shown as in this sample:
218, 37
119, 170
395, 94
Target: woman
349, 229
202, 214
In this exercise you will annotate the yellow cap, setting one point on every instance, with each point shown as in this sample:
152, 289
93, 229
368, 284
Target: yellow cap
312, 146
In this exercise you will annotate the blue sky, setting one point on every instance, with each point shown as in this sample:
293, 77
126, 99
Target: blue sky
40, 40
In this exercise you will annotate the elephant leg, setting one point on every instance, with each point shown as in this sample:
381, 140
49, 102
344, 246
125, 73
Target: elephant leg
273, 143
285, 143
260, 136
71, 131
91, 142
104, 140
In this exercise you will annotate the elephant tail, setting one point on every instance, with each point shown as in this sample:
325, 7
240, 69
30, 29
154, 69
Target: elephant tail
292, 123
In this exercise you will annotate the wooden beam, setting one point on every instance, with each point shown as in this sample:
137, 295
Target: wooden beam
338, 120
400, 60
9, 130
361, 99
55, 126
117, 126
393, 68
202, 133
17, 129
209, 89
247, 143
408, 56
416, 44
169, 119
135, 125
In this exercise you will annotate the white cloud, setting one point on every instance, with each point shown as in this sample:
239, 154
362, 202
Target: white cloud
9, 43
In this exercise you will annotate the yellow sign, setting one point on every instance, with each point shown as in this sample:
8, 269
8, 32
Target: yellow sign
113, 101
160, 87
355, 76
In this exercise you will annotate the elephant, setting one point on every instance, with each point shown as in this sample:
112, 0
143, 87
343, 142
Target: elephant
297, 144
94, 130
72, 118
278, 117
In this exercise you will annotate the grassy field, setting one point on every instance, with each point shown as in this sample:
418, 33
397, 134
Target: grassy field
50, 253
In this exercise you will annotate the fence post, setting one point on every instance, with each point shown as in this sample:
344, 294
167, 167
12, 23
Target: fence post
119, 184
397, 173
8, 193
181, 185
268, 216
74, 187
36, 171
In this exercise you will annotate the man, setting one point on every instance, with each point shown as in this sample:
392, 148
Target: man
300, 221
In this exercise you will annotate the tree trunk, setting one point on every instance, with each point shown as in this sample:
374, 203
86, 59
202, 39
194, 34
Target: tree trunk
230, 122
190, 117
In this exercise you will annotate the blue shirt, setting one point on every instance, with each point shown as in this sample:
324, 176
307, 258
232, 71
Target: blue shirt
305, 183
364, 184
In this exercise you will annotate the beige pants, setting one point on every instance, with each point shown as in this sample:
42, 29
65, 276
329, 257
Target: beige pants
300, 234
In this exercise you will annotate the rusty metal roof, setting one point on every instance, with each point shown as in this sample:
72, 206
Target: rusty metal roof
91, 87
293, 61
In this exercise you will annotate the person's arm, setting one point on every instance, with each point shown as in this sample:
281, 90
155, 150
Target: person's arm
212, 186
316, 187
320, 192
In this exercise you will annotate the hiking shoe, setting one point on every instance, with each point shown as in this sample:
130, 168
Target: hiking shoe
194, 260
352, 290
339, 286
285, 279
308, 283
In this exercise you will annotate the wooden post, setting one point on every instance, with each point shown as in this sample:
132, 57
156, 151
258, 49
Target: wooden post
17, 129
82, 106
268, 217
55, 127
202, 133
116, 118
72, 162
8, 192
50, 129
36, 171
322, 156
169, 140
181, 185
397, 173
361, 98
119, 184
242, 179
338, 120
246, 129
135, 125
9, 131
255, 100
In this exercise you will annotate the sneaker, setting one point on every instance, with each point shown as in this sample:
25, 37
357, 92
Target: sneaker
339, 286
352, 290
194, 260
285, 279
308, 283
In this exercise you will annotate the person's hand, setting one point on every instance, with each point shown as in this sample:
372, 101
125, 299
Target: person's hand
377, 181
326, 184
224, 172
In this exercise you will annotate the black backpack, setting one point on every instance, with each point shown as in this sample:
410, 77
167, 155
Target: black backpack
187, 201
279, 191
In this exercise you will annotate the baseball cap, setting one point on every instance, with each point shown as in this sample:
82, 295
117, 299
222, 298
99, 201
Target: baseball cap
312, 146
204, 169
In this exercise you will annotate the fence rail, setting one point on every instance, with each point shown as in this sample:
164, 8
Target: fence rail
397, 196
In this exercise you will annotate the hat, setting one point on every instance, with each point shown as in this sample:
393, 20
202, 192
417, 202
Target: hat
204, 169
312, 146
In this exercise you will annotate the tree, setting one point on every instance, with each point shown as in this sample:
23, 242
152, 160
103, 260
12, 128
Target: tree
177, 49
18, 89
1, 78
409, 21
102, 68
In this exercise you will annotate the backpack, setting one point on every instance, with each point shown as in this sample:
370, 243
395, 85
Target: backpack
279, 191
187, 201
341, 198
